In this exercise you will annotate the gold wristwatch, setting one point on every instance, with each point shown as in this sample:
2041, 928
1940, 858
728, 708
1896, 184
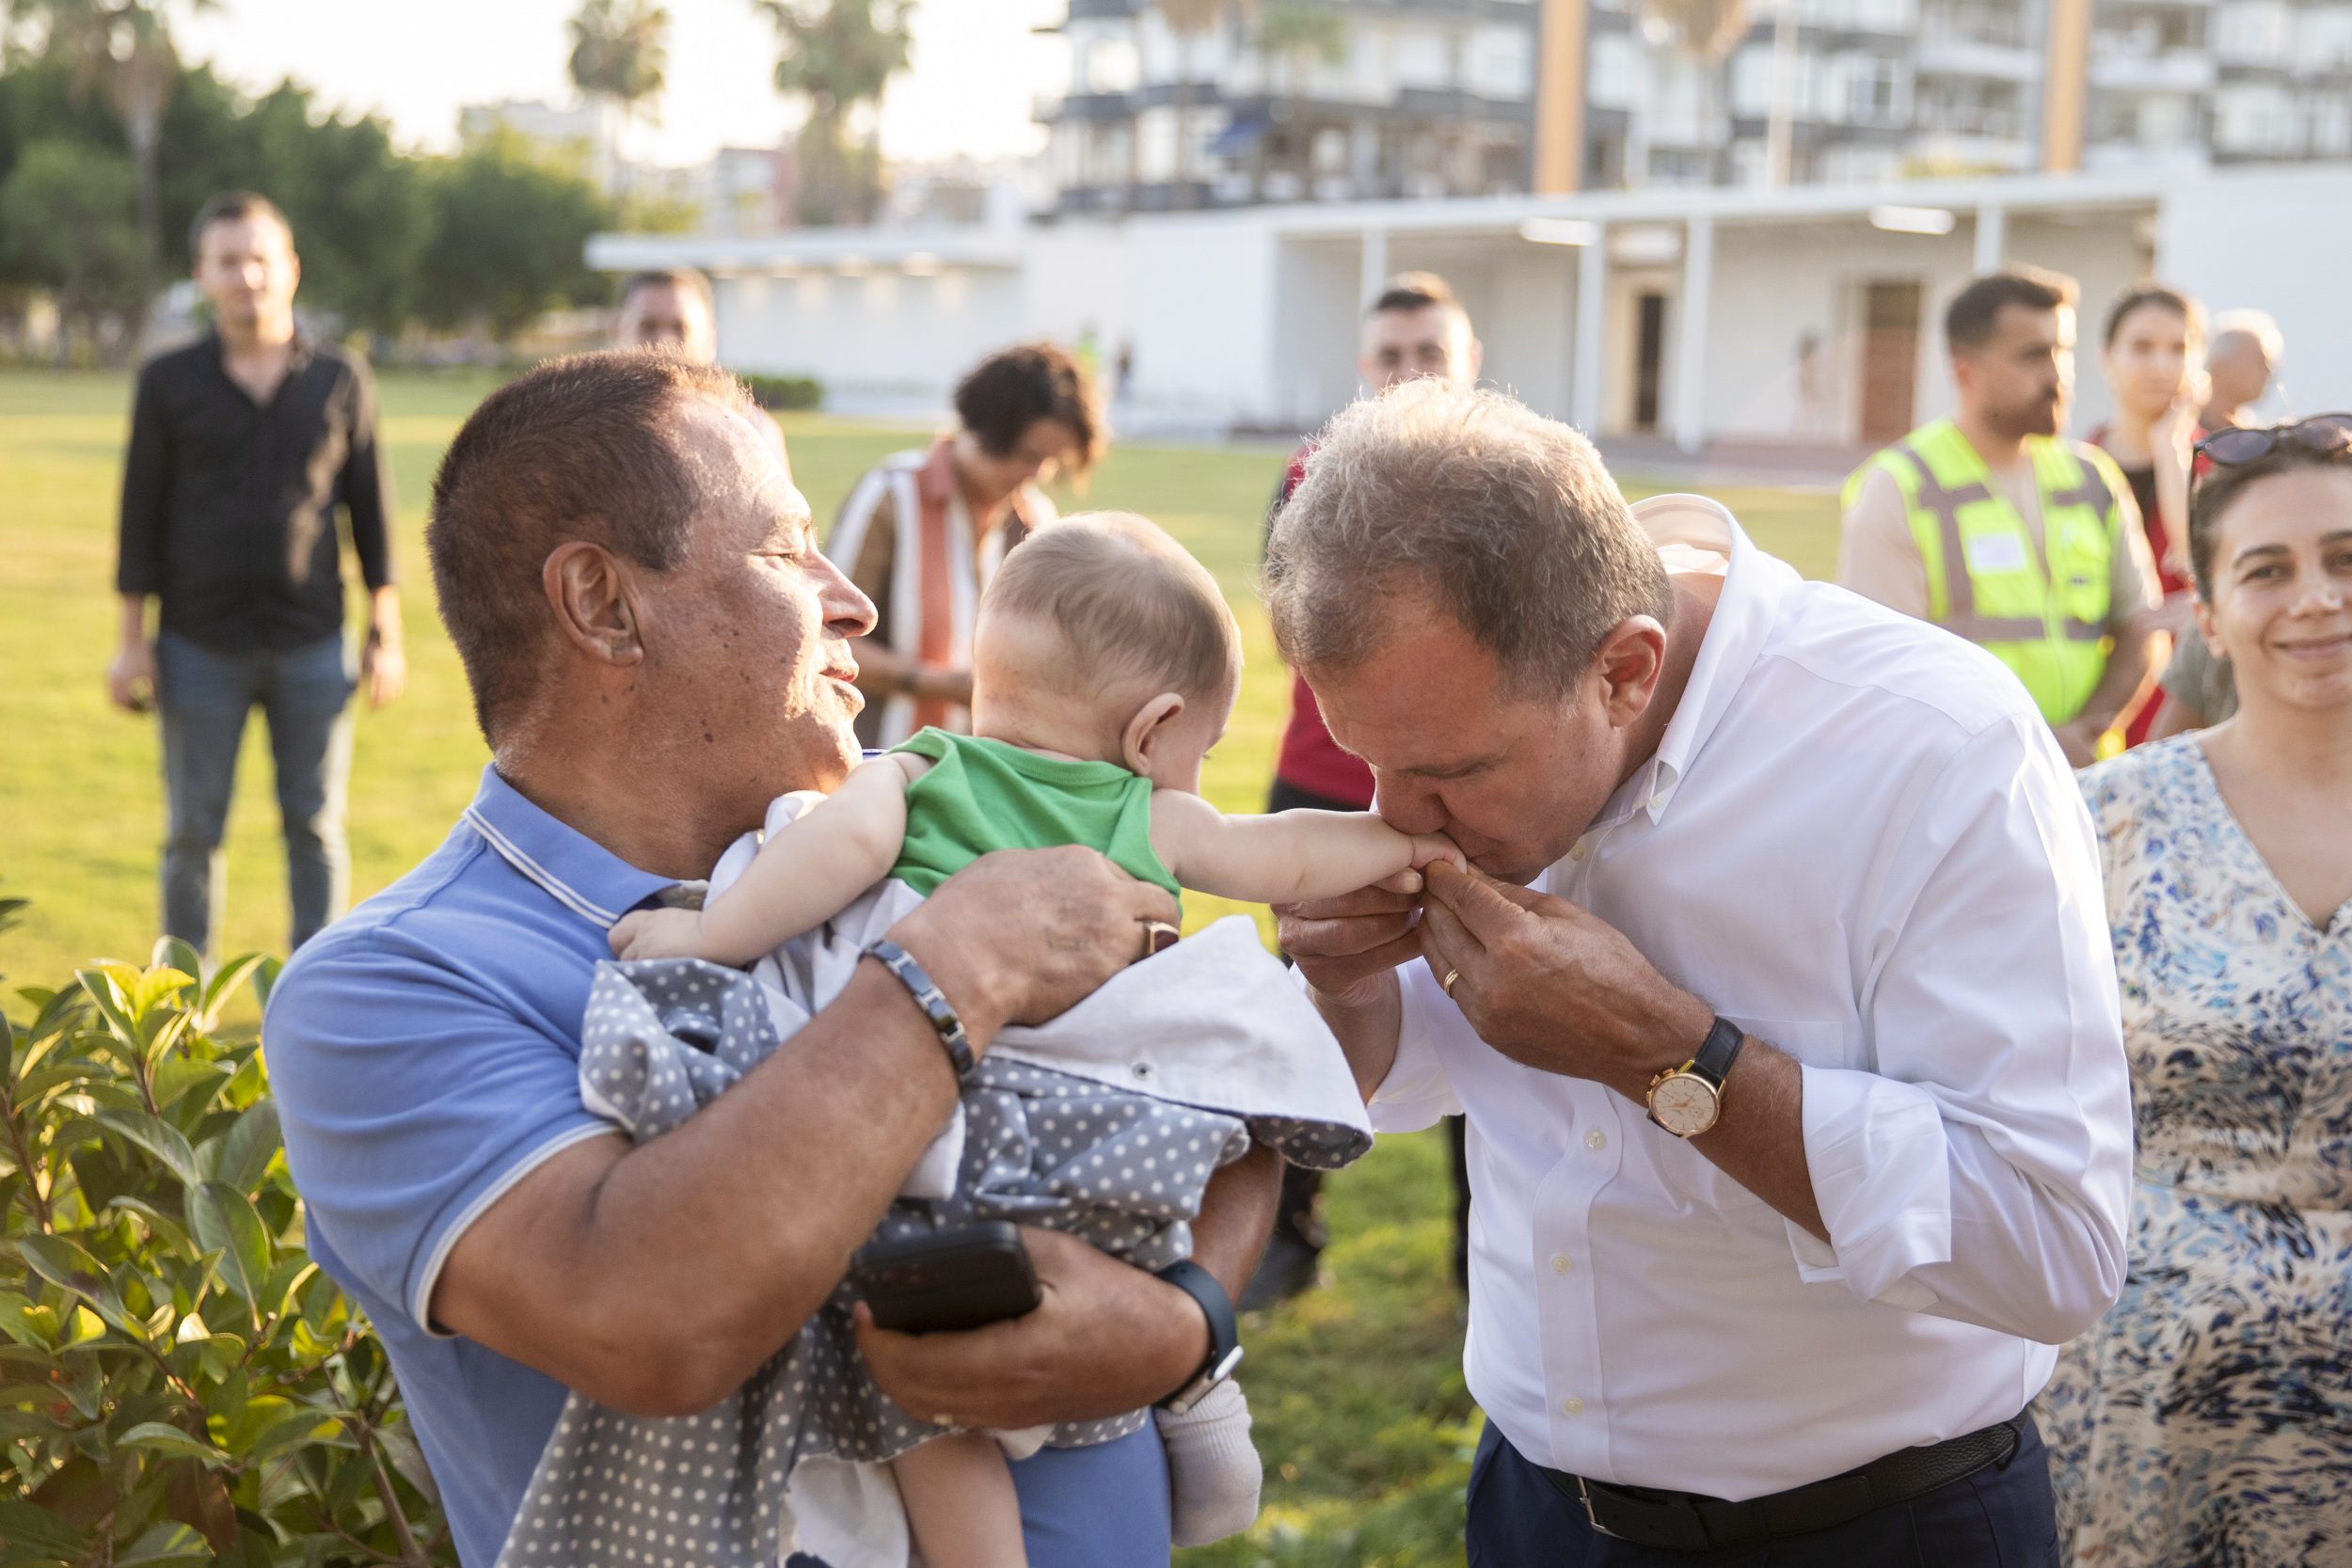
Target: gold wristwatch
1686, 1101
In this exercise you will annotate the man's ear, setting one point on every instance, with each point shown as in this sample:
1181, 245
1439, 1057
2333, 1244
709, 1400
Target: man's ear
593, 595
1631, 658
1146, 729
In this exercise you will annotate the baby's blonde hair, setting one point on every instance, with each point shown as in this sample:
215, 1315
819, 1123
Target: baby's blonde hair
1129, 603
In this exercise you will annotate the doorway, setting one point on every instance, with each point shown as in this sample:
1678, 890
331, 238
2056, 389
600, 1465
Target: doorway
1647, 366
1890, 360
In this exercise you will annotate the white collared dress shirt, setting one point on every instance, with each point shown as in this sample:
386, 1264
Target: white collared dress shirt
1859, 842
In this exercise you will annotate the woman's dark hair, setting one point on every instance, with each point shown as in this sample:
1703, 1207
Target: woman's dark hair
2154, 294
1006, 394
2222, 487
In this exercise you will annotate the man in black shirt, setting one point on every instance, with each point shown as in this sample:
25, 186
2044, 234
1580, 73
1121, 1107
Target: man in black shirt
242, 447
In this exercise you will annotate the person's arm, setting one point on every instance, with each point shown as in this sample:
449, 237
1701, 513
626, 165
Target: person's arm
803, 876
139, 561
2134, 596
866, 534
1281, 857
366, 487
610, 1269
1877, 557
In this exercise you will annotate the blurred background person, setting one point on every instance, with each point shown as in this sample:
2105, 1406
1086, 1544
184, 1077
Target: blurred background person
2208, 1418
2153, 353
1417, 328
923, 530
2198, 687
242, 444
1991, 523
670, 309
2246, 348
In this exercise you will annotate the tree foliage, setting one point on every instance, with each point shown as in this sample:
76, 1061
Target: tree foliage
509, 233
179, 1383
836, 56
620, 50
66, 220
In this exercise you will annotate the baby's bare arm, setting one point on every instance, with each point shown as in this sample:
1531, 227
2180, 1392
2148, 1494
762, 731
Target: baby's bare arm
1284, 857
803, 876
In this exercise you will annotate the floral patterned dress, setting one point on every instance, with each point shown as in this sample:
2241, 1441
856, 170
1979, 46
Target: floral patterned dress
2208, 1420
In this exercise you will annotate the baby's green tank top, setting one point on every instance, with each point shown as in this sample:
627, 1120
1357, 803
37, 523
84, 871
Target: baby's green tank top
983, 795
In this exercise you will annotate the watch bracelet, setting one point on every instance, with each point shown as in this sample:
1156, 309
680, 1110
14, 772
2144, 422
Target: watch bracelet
928, 996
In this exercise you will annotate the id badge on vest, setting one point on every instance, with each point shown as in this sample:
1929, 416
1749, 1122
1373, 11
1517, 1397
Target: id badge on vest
1992, 553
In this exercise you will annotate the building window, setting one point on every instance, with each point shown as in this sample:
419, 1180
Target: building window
1424, 57
2255, 32
1619, 74
1499, 64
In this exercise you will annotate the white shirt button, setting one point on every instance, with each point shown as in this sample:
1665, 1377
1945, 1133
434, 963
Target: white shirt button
1560, 1263
1572, 1406
1577, 851
1597, 1139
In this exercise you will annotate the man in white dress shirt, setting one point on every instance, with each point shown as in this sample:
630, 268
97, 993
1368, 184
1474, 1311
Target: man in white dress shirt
1781, 1005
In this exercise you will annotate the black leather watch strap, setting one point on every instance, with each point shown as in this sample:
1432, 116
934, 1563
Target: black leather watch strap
1224, 1333
1714, 1058
934, 1002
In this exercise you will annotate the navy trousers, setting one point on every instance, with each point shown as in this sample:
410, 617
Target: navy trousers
2000, 1518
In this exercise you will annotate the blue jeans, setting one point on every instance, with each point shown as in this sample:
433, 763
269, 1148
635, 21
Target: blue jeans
2001, 1518
204, 696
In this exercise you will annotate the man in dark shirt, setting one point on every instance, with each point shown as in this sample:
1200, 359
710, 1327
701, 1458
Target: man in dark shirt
242, 447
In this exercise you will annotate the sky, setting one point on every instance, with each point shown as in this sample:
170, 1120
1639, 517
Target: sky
977, 65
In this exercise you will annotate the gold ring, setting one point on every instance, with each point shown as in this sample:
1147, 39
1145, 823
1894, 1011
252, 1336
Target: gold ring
1158, 936
942, 1421
1446, 985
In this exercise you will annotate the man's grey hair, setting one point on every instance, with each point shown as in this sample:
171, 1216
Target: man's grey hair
1507, 520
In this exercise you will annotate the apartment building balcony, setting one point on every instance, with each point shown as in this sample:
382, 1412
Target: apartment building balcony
2176, 71
1950, 54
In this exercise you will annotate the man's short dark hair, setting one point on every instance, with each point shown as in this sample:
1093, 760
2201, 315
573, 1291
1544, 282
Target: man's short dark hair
232, 207
1008, 392
1409, 292
1974, 314
685, 280
1507, 520
580, 448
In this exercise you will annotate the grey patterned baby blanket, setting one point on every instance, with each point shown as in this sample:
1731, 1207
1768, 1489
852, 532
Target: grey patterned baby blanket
1106, 1123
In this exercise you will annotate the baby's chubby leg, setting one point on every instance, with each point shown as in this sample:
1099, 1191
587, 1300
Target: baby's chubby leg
961, 1505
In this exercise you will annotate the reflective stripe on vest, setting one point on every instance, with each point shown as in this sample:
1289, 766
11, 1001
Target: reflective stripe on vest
1960, 589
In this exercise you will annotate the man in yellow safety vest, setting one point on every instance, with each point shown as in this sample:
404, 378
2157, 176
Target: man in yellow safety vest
1991, 523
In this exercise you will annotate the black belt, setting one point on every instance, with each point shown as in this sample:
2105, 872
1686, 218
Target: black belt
1688, 1521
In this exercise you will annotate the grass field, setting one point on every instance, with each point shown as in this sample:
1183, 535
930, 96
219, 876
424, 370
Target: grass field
1357, 1388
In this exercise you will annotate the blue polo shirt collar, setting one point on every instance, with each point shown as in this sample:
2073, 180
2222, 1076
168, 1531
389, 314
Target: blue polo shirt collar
572, 868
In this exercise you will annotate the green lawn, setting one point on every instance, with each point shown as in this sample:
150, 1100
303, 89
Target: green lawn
1360, 1411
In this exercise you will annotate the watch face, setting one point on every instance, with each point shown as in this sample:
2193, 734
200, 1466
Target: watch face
1684, 1104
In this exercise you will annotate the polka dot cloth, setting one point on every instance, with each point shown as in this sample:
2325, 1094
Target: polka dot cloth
1122, 1170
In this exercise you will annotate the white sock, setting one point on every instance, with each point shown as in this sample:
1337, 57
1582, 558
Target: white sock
1212, 1469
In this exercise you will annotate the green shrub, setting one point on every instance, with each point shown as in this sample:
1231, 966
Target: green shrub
180, 1382
785, 391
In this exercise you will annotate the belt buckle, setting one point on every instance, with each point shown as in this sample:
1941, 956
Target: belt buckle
1587, 1498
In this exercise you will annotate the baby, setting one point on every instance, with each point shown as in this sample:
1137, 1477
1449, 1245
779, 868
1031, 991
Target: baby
1105, 666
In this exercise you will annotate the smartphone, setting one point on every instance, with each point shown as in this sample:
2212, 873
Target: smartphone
945, 1280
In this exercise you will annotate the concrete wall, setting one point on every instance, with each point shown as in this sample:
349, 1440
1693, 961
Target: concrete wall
2276, 242
883, 335
1202, 292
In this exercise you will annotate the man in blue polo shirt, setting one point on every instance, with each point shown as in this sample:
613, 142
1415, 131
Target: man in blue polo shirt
656, 648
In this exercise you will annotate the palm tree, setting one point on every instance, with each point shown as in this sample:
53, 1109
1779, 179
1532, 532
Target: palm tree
837, 54
1706, 31
122, 48
620, 49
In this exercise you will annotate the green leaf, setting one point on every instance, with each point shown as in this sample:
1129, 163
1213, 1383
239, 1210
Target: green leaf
163, 1543
24, 1524
224, 1219
62, 1263
304, 1426
164, 1228
400, 1446
240, 1157
158, 1137
175, 953
224, 984
177, 1076
163, 1438
265, 978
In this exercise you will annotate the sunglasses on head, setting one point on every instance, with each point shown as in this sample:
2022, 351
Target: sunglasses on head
2327, 433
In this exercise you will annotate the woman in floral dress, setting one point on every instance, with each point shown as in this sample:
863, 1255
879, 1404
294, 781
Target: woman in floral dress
2208, 1420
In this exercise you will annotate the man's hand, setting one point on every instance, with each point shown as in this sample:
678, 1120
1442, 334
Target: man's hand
1107, 1339
1019, 936
131, 676
383, 671
1347, 947
1554, 986
2079, 741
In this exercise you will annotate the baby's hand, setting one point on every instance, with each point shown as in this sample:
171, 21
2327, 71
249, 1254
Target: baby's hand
1437, 846
657, 934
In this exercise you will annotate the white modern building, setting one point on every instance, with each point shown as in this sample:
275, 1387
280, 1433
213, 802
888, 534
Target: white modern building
1807, 315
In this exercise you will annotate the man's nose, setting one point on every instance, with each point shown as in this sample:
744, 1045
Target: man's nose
848, 611
1406, 807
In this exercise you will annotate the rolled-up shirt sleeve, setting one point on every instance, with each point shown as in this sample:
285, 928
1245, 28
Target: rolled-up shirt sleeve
1979, 1168
399, 1140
